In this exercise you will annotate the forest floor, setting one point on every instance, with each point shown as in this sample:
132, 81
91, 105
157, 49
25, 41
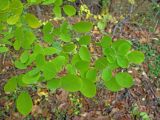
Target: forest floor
137, 103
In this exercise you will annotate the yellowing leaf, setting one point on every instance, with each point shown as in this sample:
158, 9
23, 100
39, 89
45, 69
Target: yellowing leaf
32, 21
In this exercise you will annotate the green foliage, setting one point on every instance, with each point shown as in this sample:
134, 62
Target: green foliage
69, 10
83, 27
59, 56
11, 85
138, 114
3, 49
24, 103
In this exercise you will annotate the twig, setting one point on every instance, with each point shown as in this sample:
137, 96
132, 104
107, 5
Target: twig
38, 9
121, 23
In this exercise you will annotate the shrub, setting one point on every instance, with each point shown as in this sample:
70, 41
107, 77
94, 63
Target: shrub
67, 44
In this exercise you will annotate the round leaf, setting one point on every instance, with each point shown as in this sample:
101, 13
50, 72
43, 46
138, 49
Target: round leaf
11, 85
53, 84
83, 27
69, 10
106, 74
85, 40
88, 88
24, 57
91, 75
71, 83
124, 79
122, 61
112, 85
24, 103
84, 54
68, 47
136, 57
101, 63
106, 41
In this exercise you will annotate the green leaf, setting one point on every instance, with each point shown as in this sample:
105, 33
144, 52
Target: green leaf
48, 32
106, 74
69, 10
40, 60
119, 42
65, 34
34, 1
24, 103
58, 2
82, 66
101, 25
11, 85
88, 88
84, 54
85, 40
75, 59
57, 11
48, 2
24, 57
71, 69
3, 49
49, 51
68, 47
16, 7
59, 62
13, 20
91, 75
83, 27
24, 38
53, 84
124, 79
112, 85
111, 54
71, 83
106, 41
101, 63
19, 65
32, 21
124, 48
4, 4
122, 61
49, 70
31, 77
136, 57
